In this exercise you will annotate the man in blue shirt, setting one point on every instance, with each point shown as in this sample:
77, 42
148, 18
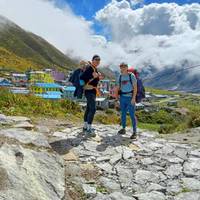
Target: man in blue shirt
127, 90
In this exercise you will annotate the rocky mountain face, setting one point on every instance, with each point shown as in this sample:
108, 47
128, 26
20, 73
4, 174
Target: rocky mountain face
54, 160
21, 50
174, 78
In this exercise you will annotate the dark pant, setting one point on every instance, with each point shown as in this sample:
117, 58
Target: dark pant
91, 107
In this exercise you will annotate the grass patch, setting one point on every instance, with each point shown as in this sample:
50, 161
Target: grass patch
160, 91
32, 106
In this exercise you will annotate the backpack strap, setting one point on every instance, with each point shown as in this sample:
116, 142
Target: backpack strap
130, 79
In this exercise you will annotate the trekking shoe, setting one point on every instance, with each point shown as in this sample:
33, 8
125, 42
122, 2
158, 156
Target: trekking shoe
133, 136
91, 133
84, 129
122, 131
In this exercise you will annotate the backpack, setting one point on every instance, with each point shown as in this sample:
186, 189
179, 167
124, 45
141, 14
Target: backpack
76, 82
140, 89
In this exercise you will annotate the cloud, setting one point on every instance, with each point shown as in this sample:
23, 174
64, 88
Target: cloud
61, 27
156, 34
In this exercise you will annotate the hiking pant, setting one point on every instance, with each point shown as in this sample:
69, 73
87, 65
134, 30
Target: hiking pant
125, 105
91, 107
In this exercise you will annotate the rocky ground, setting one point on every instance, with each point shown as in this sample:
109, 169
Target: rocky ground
53, 160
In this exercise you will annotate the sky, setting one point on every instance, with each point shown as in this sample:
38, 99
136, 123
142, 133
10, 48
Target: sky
142, 33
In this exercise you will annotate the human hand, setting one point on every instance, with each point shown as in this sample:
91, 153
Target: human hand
95, 74
133, 101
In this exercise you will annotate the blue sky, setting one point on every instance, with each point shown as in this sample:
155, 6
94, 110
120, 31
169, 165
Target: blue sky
88, 8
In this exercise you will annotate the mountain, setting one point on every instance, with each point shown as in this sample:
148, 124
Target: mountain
174, 78
21, 50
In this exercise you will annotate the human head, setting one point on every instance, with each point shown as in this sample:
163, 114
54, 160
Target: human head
82, 64
124, 68
96, 60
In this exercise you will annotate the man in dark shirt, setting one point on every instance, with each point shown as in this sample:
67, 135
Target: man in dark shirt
91, 78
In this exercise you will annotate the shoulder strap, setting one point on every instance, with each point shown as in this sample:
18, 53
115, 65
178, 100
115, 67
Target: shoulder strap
120, 80
130, 78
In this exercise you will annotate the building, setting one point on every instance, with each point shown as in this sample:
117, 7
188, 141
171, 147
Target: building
19, 79
19, 90
40, 77
68, 92
102, 103
59, 77
47, 90
5, 83
42, 88
172, 103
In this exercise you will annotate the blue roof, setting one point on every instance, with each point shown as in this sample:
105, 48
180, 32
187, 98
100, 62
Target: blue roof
20, 91
48, 85
49, 96
69, 88
5, 84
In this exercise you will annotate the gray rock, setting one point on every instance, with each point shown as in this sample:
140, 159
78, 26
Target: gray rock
26, 137
173, 187
115, 158
174, 171
181, 153
42, 129
109, 184
166, 150
191, 183
31, 174
89, 190
18, 118
192, 167
144, 176
106, 167
154, 145
125, 176
147, 161
120, 196
155, 187
127, 153
103, 158
25, 125
2, 117
174, 160
102, 197
188, 196
151, 196
195, 153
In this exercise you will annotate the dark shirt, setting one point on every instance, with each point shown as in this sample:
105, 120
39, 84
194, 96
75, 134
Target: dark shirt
87, 76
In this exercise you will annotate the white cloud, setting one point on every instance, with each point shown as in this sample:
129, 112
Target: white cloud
157, 34
60, 27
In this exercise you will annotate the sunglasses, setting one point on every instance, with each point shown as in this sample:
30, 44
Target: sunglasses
97, 59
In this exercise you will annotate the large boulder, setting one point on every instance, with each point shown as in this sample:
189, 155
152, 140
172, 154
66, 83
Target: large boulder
27, 174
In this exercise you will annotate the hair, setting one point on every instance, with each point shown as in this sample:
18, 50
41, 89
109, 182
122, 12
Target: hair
95, 57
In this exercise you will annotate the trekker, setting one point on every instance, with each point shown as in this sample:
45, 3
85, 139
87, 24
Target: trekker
127, 90
75, 79
91, 78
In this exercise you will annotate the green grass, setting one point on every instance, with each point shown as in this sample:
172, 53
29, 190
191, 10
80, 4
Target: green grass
32, 106
148, 126
160, 91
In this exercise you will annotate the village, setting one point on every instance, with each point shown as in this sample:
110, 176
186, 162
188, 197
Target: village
54, 85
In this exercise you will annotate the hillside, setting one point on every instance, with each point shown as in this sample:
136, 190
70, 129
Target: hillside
20, 50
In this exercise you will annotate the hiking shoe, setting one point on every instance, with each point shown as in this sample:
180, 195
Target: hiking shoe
122, 131
133, 136
84, 129
91, 133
